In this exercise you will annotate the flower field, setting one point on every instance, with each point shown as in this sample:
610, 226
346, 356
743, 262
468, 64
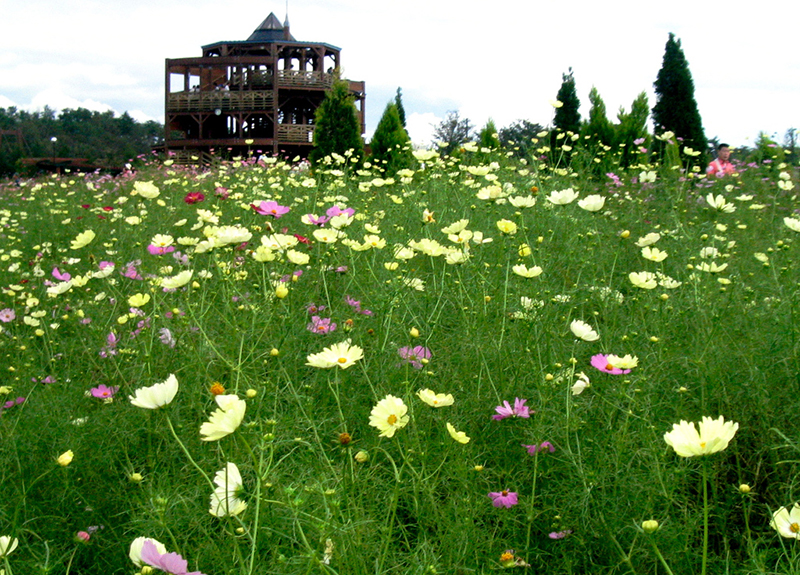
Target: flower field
476, 365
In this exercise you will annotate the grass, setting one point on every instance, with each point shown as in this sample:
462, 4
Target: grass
324, 492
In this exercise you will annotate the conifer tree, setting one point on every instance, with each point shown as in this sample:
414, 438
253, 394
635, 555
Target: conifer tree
676, 109
568, 116
632, 128
488, 137
390, 143
452, 132
401, 111
336, 125
599, 128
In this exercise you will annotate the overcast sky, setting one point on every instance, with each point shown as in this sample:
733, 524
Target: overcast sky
501, 59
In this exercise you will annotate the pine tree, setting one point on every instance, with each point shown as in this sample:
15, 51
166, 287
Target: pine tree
676, 109
336, 125
401, 111
390, 143
568, 116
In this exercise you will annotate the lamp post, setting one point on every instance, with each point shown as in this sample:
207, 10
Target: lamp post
53, 140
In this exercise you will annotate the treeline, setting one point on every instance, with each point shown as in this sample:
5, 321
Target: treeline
100, 137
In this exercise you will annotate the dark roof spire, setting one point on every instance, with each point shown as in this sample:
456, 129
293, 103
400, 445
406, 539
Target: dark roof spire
271, 30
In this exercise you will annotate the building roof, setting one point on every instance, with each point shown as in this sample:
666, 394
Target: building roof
270, 30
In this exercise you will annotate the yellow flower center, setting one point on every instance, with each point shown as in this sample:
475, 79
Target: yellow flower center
342, 360
506, 557
505, 492
794, 528
702, 444
392, 419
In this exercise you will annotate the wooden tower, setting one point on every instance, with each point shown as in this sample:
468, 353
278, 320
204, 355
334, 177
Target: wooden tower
240, 97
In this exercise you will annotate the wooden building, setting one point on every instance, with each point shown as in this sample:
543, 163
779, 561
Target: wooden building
240, 97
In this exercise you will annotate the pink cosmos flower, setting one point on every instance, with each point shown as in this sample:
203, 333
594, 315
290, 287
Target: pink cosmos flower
503, 498
321, 325
270, 208
222, 192
600, 361
7, 315
337, 211
171, 563
61, 276
314, 309
415, 355
159, 250
103, 392
505, 410
317, 221
559, 534
544, 445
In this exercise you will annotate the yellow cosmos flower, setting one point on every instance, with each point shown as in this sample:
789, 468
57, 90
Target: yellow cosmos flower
389, 415
340, 354
82, 240
654, 254
525, 271
507, 227
434, 399
714, 435
224, 420
138, 300
459, 436
643, 280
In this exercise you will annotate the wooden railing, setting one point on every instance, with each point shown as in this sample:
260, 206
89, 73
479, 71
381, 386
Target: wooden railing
191, 157
303, 79
220, 100
295, 133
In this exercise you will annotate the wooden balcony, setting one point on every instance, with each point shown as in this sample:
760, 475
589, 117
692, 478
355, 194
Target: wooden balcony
295, 133
220, 100
304, 79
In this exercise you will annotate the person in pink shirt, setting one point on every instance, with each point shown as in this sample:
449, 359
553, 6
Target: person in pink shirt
722, 165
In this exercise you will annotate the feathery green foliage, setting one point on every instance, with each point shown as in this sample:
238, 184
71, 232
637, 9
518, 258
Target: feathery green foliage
336, 125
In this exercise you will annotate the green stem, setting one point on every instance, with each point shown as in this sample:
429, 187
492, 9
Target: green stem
189, 455
533, 499
661, 557
705, 518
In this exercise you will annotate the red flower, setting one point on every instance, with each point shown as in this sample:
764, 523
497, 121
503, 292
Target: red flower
194, 198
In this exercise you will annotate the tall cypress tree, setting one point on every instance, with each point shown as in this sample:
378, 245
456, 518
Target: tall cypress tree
390, 143
337, 129
568, 116
676, 109
401, 111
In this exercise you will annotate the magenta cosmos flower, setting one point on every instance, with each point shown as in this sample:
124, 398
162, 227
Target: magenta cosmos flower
171, 563
337, 211
270, 208
543, 446
503, 498
505, 410
416, 356
600, 361
321, 325
102, 391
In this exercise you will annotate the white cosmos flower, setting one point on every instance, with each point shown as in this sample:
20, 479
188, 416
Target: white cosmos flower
562, 197
157, 395
654, 254
648, 240
580, 384
786, 522
224, 420
526, 272
225, 500
792, 223
718, 203
522, 201
644, 280
583, 330
135, 552
593, 203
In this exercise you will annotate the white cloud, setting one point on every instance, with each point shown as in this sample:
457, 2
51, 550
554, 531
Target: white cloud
420, 128
58, 100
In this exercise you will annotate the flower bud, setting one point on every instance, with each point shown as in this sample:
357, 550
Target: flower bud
281, 291
650, 526
274, 352
65, 458
413, 332
362, 456
744, 488
251, 393
136, 477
